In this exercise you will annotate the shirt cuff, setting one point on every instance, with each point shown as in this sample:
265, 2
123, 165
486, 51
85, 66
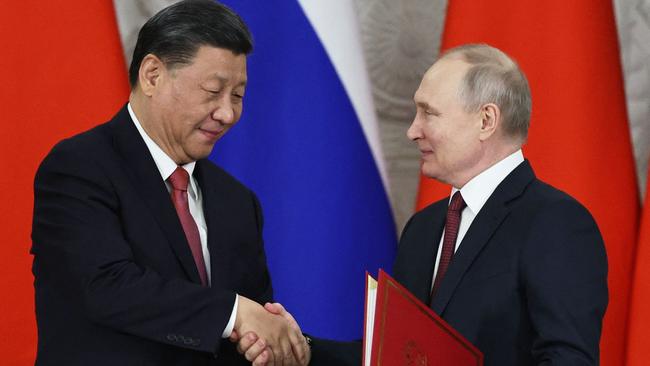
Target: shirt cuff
231, 323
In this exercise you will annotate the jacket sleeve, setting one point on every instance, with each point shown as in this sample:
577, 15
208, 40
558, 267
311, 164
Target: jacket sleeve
325, 352
564, 272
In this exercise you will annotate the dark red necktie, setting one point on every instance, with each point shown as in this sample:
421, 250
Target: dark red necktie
452, 223
179, 181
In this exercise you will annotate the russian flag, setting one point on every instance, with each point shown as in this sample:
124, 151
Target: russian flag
308, 145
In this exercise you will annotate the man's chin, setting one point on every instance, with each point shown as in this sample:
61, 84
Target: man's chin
203, 153
433, 174
429, 172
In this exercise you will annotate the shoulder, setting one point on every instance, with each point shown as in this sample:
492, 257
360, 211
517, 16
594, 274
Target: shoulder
556, 225
84, 150
89, 140
95, 144
547, 203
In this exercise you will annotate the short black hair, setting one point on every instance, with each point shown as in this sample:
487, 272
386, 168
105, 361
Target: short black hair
175, 34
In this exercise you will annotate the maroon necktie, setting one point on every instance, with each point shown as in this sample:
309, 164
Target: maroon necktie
449, 242
179, 180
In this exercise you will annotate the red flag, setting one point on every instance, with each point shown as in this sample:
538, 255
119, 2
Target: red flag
579, 136
62, 72
638, 344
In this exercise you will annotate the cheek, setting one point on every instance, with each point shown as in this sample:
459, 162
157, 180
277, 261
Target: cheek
431, 135
237, 110
181, 125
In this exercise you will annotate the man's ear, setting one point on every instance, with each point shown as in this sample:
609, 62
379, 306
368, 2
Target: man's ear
490, 120
151, 70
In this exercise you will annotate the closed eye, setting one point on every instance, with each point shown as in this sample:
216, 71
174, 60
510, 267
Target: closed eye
427, 109
432, 113
237, 98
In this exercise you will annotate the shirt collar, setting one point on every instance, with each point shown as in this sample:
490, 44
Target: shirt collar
164, 163
477, 191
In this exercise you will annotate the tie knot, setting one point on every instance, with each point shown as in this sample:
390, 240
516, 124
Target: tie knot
457, 202
179, 179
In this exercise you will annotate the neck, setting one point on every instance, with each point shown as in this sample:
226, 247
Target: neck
138, 105
141, 107
491, 156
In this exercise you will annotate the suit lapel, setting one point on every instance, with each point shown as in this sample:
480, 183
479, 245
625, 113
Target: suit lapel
422, 264
143, 173
480, 232
214, 200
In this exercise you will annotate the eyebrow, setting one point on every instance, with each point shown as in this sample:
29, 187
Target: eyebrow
224, 80
427, 106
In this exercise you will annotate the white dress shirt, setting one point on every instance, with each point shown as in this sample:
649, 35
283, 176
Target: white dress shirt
475, 193
166, 167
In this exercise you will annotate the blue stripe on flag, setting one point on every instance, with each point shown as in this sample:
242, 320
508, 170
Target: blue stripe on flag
300, 147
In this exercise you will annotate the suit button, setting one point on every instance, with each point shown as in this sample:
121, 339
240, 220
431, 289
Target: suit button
172, 337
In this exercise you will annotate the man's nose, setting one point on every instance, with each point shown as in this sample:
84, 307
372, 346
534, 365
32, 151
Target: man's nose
414, 131
224, 111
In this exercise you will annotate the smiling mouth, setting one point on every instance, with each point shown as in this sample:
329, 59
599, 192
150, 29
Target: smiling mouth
212, 134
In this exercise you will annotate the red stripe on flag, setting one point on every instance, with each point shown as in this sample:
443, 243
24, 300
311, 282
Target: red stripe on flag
62, 72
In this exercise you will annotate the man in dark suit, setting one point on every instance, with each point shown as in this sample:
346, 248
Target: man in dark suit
146, 253
515, 265
523, 274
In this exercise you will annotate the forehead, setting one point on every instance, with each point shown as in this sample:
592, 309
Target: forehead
213, 63
443, 78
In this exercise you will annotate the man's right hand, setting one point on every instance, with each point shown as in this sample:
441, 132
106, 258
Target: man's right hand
273, 332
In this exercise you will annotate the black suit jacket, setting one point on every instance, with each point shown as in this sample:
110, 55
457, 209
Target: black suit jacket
528, 284
115, 282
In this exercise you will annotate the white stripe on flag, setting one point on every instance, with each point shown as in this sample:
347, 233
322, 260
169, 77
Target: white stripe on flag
337, 27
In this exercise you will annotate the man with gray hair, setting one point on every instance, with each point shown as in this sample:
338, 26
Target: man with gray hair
515, 265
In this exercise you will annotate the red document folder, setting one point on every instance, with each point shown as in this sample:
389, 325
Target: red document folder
407, 332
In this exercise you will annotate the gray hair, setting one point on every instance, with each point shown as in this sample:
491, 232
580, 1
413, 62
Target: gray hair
494, 77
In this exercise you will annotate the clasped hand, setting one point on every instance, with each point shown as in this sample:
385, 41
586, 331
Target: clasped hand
269, 335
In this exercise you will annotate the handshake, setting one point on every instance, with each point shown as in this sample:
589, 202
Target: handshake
268, 335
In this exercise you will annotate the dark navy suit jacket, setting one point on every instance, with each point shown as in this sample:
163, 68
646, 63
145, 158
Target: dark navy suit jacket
115, 281
528, 283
